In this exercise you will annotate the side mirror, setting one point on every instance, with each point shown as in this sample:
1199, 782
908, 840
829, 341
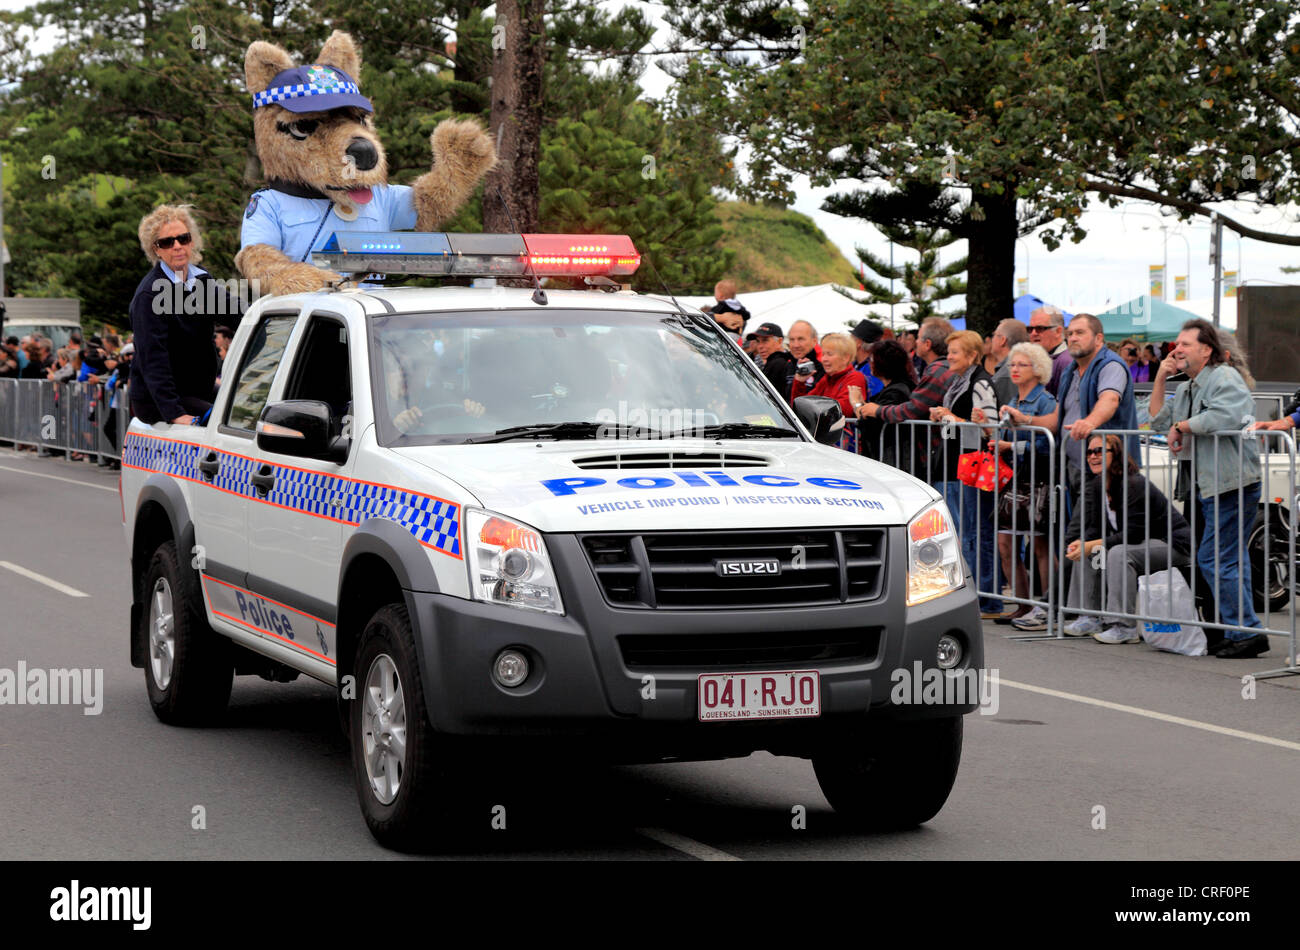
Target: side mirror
302, 428
821, 416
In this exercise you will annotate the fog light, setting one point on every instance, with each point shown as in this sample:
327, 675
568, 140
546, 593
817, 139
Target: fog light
949, 652
511, 668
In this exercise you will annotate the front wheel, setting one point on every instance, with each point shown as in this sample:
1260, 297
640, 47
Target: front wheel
892, 775
397, 761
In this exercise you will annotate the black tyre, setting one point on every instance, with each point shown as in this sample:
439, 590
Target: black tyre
1270, 579
401, 774
893, 775
189, 668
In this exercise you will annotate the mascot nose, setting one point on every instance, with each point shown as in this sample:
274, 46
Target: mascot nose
364, 153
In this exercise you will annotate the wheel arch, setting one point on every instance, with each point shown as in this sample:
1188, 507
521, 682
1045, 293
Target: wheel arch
382, 564
161, 515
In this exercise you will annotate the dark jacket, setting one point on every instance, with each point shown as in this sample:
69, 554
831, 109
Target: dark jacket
779, 370
870, 430
1134, 529
175, 356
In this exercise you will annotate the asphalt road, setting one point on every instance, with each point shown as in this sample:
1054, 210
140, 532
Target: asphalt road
1182, 764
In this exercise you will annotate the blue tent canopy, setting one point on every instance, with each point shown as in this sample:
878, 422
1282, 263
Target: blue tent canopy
1026, 304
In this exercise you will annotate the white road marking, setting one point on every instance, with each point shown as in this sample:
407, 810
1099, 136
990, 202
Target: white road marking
58, 478
1152, 714
41, 578
695, 849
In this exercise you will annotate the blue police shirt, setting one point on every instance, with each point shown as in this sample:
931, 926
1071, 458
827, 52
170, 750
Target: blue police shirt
194, 270
295, 226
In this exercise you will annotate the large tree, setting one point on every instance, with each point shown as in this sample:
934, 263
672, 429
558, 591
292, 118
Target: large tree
1030, 107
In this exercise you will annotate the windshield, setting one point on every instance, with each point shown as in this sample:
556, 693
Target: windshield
464, 377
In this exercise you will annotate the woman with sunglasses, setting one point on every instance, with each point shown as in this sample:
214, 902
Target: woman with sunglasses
1138, 531
173, 315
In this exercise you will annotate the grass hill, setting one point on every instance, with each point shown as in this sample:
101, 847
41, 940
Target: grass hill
776, 247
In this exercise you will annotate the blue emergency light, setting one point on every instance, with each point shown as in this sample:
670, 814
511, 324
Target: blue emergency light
478, 255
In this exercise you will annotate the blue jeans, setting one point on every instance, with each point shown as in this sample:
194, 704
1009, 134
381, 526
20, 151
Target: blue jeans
1229, 578
972, 509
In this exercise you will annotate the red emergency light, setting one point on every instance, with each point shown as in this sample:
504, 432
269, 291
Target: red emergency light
581, 255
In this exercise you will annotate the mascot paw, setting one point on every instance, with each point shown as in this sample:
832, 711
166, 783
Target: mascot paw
301, 279
464, 145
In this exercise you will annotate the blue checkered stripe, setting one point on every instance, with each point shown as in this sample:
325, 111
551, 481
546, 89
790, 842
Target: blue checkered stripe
312, 492
234, 474
301, 90
160, 455
432, 521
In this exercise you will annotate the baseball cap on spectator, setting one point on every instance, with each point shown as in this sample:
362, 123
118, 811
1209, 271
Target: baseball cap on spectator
768, 329
868, 332
128, 349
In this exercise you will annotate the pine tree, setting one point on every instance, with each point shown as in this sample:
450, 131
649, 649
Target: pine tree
912, 217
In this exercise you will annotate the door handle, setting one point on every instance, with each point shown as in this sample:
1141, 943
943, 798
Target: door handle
209, 466
263, 480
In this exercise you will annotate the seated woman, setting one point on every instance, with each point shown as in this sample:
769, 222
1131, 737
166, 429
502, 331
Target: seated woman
1131, 521
1027, 451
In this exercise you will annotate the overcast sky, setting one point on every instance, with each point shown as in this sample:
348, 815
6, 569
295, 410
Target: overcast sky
1108, 268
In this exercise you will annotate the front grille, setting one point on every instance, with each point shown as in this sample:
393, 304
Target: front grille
677, 570
734, 652
671, 459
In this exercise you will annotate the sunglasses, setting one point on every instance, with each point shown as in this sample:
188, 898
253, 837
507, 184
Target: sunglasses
1097, 451
167, 242
1038, 329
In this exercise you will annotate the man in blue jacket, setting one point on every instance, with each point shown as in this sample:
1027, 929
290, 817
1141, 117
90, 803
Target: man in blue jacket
1096, 394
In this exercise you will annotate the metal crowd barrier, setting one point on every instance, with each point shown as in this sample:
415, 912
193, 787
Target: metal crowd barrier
1265, 545
65, 417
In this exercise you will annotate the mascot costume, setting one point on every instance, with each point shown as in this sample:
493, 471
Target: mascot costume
326, 170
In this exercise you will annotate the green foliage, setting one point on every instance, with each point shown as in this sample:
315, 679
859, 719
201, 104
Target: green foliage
1031, 108
912, 217
144, 103
604, 172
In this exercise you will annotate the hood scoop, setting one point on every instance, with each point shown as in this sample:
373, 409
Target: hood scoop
672, 459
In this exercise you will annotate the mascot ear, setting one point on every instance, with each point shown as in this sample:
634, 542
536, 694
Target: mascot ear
261, 64
340, 52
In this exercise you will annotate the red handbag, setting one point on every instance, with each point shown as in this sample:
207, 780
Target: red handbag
993, 473
968, 467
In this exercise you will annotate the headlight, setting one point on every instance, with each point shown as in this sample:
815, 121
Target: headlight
508, 563
934, 565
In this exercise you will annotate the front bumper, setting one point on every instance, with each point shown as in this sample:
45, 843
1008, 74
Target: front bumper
587, 683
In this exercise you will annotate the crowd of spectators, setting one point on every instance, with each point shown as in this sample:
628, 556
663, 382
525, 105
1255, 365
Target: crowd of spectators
1019, 384
98, 365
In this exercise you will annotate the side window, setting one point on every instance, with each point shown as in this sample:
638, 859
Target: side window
257, 370
321, 370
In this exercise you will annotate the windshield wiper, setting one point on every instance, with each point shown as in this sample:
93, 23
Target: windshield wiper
734, 430
569, 430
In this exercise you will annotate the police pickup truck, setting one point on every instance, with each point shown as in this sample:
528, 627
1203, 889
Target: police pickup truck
543, 520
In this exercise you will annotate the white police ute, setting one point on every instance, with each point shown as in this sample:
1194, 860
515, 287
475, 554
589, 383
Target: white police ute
520, 522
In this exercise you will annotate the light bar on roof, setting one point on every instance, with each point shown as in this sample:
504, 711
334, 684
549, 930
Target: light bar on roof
478, 255
582, 255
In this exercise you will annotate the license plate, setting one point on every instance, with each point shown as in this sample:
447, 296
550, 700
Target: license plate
782, 695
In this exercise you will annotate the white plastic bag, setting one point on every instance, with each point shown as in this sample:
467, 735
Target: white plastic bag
1156, 599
